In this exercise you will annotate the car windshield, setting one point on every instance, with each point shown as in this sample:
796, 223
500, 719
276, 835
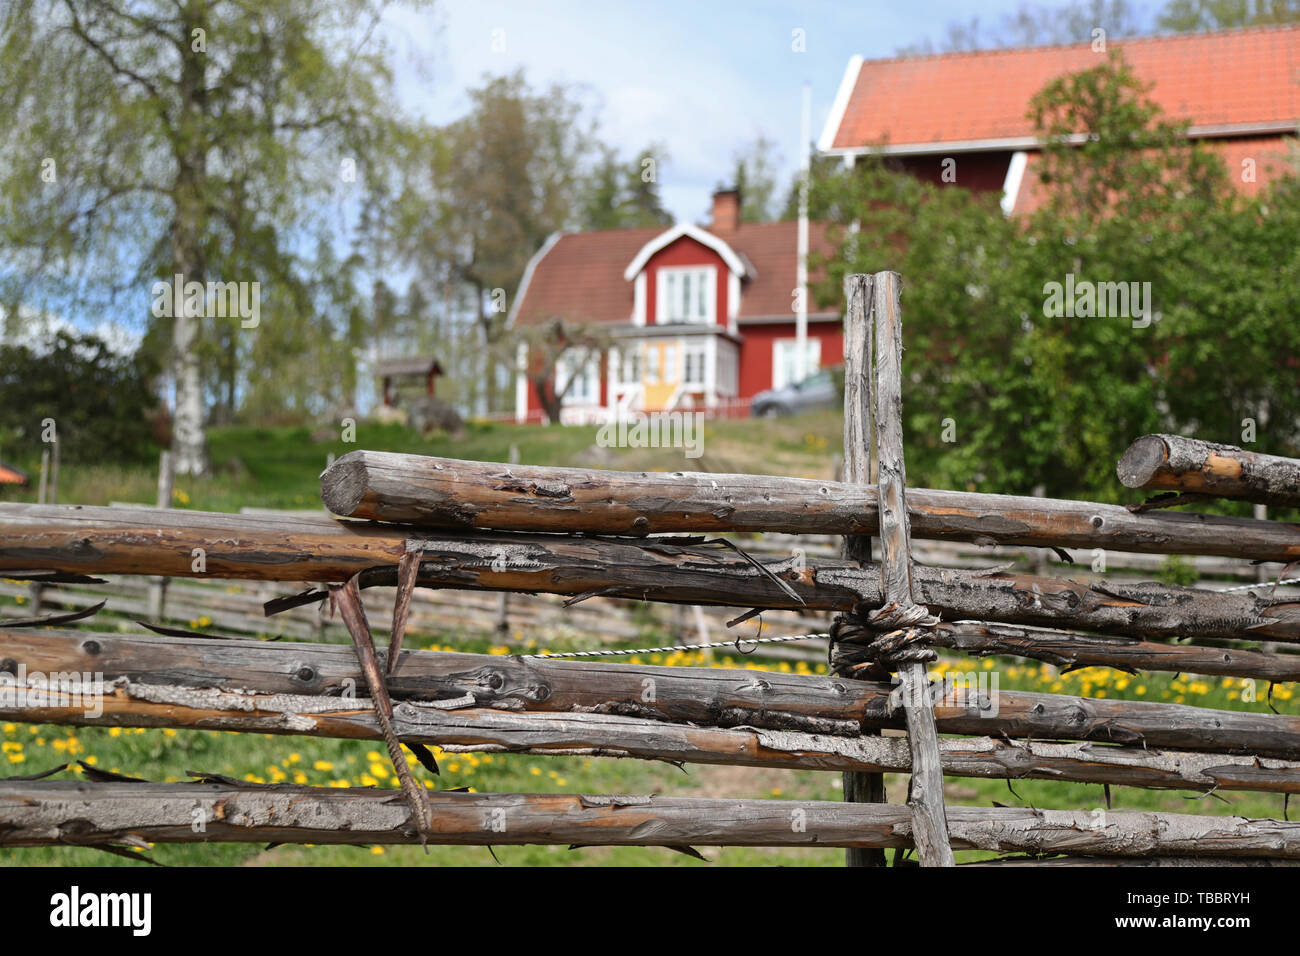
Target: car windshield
821, 378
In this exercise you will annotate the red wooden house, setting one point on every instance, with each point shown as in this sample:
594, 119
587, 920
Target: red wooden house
703, 316
1238, 90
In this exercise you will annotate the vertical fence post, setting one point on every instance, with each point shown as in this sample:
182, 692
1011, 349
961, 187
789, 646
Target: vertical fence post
929, 820
502, 624
166, 480
856, 469
36, 590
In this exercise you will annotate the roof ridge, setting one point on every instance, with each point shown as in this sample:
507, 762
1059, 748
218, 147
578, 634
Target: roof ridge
1150, 38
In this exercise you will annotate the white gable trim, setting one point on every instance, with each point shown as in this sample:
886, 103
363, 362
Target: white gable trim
521, 382
733, 301
638, 299
733, 261
840, 103
538, 256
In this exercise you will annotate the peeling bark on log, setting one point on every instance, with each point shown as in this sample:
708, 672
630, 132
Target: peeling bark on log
705, 696
144, 541
1175, 463
61, 813
857, 787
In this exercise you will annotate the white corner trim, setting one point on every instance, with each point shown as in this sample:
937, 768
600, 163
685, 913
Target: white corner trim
733, 261
521, 383
733, 301
1015, 176
638, 300
840, 103
540, 254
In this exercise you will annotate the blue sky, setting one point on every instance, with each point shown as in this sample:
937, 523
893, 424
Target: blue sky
704, 78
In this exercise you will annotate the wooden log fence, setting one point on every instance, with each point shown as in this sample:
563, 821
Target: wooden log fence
589, 536
674, 570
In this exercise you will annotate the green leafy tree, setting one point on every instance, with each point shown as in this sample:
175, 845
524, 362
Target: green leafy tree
100, 401
623, 195
1006, 392
754, 174
642, 203
1187, 16
198, 138
508, 174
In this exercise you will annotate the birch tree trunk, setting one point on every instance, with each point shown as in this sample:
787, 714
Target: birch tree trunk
189, 442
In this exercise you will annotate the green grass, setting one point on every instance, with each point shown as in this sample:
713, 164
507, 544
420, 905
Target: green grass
279, 467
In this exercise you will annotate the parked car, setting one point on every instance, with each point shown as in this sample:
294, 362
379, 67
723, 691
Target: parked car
819, 390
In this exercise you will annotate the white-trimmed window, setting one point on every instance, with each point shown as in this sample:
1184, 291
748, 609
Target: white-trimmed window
627, 364
652, 363
585, 389
686, 294
784, 353
728, 370
693, 372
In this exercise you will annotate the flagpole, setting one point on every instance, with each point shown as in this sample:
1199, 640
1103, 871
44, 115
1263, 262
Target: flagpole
801, 276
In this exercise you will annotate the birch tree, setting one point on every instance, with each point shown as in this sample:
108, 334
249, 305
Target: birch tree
196, 138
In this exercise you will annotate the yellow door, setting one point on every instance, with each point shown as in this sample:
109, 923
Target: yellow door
663, 373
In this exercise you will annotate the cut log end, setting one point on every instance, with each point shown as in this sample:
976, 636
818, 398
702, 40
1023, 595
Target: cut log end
343, 484
1139, 464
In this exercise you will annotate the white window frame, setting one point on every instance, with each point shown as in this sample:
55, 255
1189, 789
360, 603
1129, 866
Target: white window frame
708, 274
586, 387
698, 351
783, 347
629, 364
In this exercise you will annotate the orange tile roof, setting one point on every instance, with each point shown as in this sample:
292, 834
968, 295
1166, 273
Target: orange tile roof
580, 278
1248, 76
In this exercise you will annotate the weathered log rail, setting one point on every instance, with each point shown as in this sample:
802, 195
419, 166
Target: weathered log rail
608, 732
466, 495
675, 570
581, 534
39, 814
707, 697
1175, 463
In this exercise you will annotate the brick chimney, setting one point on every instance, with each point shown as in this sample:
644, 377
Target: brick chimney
726, 210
